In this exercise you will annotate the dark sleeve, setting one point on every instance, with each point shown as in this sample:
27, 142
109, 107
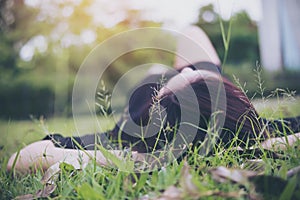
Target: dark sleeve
280, 127
86, 142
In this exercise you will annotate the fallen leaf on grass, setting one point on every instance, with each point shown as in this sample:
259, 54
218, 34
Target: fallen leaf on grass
171, 193
49, 180
188, 189
223, 174
45, 192
186, 181
51, 175
294, 171
25, 197
271, 187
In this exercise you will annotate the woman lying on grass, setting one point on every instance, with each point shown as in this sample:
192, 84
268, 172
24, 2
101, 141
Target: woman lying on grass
195, 104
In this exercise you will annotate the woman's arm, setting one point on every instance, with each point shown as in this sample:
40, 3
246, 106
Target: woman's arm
281, 143
194, 46
43, 154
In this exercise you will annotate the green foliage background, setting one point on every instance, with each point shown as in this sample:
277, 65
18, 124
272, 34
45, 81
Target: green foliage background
43, 85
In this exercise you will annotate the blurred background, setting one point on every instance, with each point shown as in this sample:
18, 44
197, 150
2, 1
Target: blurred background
43, 43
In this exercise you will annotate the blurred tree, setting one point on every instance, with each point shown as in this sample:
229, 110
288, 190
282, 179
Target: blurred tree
43, 43
243, 47
8, 55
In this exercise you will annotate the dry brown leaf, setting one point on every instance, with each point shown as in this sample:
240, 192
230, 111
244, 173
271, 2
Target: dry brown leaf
51, 174
223, 174
171, 193
186, 182
48, 180
25, 197
45, 192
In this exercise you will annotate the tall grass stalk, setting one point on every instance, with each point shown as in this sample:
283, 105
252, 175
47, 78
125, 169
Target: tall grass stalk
226, 35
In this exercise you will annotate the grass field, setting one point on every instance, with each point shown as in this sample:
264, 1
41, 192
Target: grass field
191, 178
16, 134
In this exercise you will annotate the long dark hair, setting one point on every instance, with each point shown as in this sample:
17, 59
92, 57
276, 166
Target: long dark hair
241, 120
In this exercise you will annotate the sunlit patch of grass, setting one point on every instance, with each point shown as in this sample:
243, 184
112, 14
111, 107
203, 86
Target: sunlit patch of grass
16, 134
278, 107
